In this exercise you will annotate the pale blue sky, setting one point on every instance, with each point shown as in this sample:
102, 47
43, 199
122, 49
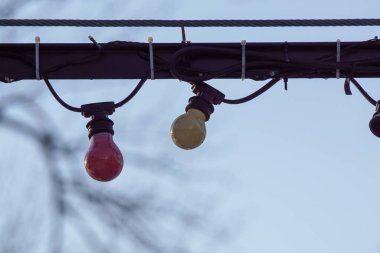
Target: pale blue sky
299, 168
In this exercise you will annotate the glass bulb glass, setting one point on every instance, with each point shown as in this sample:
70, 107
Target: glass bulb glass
103, 160
188, 131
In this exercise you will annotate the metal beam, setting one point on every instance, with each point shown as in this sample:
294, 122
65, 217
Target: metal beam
130, 60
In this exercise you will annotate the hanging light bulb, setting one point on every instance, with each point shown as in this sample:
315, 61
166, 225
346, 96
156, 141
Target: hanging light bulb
374, 124
103, 160
188, 131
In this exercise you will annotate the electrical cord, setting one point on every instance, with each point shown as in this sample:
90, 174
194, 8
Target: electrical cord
257, 63
77, 109
360, 89
29, 63
58, 98
89, 58
181, 68
346, 49
253, 95
132, 94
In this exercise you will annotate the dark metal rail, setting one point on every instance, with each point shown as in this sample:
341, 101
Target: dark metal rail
128, 60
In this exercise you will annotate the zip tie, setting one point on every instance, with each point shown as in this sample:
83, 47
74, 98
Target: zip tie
37, 41
243, 43
150, 41
338, 58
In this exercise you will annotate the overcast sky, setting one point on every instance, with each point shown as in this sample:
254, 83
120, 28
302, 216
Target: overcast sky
300, 167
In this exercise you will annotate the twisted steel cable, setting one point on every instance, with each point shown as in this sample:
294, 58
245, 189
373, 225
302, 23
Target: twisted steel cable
191, 23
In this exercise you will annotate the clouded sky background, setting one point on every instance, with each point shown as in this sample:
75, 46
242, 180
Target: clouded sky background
299, 168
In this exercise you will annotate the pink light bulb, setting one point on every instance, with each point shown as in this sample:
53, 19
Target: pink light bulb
103, 160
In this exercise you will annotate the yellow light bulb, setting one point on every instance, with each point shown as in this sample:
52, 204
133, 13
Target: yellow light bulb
188, 131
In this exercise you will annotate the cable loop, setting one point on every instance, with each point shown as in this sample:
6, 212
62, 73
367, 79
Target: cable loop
77, 109
132, 94
254, 94
361, 90
58, 98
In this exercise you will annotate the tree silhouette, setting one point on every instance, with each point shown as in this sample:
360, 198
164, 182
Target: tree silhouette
103, 218
48, 205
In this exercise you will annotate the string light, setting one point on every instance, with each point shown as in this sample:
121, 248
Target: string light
188, 131
104, 161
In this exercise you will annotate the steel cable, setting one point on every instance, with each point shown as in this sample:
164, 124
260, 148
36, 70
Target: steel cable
191, 23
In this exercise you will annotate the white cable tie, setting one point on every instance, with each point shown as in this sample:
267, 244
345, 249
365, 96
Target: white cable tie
338, 58
243, 43
37, 41
150, 41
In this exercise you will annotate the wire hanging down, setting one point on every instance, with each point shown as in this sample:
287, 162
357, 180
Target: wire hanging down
77, 109
253, 95
360, 89
190, 23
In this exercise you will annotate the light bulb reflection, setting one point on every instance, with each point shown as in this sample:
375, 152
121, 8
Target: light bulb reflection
188, 131
103, 160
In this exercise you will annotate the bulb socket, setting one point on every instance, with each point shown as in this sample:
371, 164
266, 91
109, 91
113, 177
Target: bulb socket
374, 124
98, 112
95, 126
201, 104
205, 99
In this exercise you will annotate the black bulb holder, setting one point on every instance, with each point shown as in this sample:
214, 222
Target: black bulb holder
98, 112
205, 99
374, 124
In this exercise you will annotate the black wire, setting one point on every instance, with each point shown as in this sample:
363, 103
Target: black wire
57, 97
77, 109
254, 94
191, 23
370, 65
348, 48
18, 57
347, 88
89, 58
82, 60
363, 92
132, 94
193, 51
256, 62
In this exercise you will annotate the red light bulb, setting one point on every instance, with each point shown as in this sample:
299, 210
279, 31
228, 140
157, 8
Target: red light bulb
103, 160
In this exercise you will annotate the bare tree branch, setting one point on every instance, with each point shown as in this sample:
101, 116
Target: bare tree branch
138, 217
